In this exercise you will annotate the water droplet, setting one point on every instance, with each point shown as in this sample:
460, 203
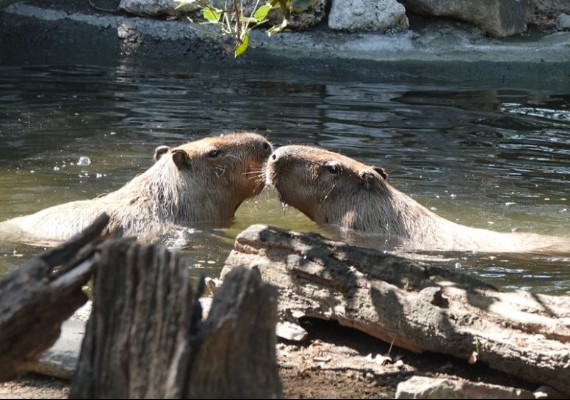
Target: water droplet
84, 161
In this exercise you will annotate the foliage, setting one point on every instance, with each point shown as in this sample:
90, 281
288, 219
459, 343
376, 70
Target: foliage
230, 16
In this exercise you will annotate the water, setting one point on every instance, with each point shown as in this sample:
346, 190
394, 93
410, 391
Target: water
489, 157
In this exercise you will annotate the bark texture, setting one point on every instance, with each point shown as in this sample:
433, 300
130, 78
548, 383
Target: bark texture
146, 338
414, 306
36, 298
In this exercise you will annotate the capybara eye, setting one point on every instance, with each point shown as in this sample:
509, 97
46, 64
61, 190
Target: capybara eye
274, 157
214, 153
266, 146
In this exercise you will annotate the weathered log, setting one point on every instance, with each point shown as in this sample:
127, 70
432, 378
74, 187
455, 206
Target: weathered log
146, 339
414, 306
35, 299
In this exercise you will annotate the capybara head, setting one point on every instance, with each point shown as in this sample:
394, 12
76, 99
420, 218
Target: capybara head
200, 182
327, 187
227, 167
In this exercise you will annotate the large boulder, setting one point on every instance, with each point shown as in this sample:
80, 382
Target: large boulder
497, 18
367, 15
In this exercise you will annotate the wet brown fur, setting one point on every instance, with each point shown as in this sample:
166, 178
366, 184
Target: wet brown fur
204, 181
337, 191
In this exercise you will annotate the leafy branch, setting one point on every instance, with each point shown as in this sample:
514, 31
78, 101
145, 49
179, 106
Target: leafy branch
231, 18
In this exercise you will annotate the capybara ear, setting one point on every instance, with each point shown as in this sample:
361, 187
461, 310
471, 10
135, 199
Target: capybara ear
180, 158
381, 171
159, 151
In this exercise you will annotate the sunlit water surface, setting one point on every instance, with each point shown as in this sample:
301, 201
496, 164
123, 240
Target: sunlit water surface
489, 157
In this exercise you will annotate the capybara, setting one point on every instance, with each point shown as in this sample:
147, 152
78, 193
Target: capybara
200, 182
336, 191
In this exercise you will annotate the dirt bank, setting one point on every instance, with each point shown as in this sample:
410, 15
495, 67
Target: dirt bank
334, 362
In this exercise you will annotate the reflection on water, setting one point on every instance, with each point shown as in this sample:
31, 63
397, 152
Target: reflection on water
495, 158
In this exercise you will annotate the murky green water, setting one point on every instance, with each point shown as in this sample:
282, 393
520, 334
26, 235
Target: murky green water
490, 157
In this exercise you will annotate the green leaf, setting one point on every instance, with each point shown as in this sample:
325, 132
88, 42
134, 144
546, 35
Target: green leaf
211, 15
242, 45
261, 12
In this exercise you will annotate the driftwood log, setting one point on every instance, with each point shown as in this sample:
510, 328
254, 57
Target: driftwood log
418, 307
36, 298
146, 338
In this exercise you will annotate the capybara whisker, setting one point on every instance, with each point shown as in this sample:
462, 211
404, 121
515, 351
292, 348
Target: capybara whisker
255, 173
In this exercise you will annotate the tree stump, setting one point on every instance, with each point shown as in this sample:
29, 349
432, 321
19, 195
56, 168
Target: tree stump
414, 306
37, 298
146, 338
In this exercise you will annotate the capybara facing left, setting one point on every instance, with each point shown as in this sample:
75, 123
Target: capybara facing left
354, 198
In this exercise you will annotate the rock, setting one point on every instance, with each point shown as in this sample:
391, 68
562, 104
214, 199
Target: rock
289, 331
367, 15
554, 7
60, 360
303, 18
303, 13
497, 18
563, 22
155, 8
422, 387
546, 392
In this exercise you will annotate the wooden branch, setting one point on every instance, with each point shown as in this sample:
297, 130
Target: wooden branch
35, 299
417, 307
236, 356
145, 337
